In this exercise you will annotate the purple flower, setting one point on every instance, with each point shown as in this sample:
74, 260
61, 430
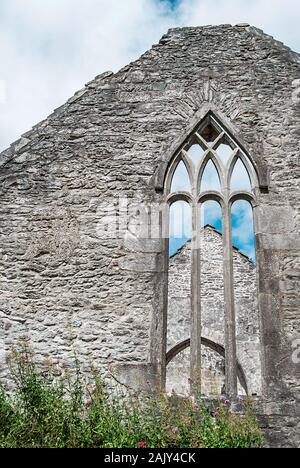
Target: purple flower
142, 444
216, 414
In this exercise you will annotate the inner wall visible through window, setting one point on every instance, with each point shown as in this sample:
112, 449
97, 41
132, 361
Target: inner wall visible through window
212, 298
245, 295
179, 297
180, 226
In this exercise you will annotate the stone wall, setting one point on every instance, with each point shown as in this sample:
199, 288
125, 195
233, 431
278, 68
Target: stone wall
65, 287
212, 310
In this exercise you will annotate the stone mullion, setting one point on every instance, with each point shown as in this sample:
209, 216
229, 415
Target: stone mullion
195, 348
229, 307
165, 224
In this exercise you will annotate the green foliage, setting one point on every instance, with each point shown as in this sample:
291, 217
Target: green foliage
41, 412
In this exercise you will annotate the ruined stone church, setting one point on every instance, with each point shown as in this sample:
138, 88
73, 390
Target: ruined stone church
84, 225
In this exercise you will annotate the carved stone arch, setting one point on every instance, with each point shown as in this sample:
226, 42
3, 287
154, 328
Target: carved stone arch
211, 132
210, 157
205, 114
218, 348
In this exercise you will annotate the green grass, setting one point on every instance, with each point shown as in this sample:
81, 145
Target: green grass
44, 412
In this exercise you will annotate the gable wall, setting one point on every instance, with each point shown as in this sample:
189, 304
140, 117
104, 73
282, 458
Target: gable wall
64, 286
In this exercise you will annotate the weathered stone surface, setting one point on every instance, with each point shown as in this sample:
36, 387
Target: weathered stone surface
64, 286
212, 314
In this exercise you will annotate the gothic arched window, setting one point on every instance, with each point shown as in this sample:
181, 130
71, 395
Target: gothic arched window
210, 171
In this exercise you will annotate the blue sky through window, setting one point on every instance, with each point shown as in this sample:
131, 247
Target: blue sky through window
243, 228
180, 226
176, 244
242, 225
211, 214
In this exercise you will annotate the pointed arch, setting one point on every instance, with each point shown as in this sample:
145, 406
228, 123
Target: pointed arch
210, 136
181, 181
210, 180
180, 159
195, 153
172, 353
210, 114
240, 179
211, 167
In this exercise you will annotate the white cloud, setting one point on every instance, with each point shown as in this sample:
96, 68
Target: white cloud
180, 220
240, 180
210, 178
50, 48
210, 213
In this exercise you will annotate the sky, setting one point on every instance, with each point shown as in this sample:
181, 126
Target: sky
50, 48
242, 225
242, 216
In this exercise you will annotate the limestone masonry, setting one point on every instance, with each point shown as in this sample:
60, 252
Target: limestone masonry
212, 297
67, 284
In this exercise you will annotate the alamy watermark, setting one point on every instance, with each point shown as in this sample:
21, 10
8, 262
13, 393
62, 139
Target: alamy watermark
142, 220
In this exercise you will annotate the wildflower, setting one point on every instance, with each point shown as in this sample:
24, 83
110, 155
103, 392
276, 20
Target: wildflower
216, 414
187, 421
142, 444
24, 360
190, 381
224, 400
